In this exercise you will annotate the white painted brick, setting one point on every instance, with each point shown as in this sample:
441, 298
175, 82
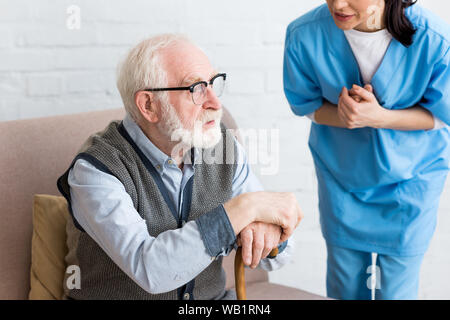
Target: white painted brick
88, 58
274, 81
11, 84
45, 11
223, 33
308, 268
274, 33
262, 106
131, 34
231, 10
56, 36
6, 37
243, 81
15, 11
133, 11
32, 107
288, 10
88, 82
289, 181
92, 102
8, 109
26, 60
248, 57
44, 85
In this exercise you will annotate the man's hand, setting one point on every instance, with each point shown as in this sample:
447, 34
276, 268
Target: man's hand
359, 108
257, 240
279, 208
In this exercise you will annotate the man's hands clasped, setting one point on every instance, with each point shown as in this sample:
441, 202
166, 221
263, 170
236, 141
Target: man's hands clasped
257, 240
262, 220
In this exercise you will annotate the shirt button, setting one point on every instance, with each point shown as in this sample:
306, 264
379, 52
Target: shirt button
158, 167
170, 161
186, 296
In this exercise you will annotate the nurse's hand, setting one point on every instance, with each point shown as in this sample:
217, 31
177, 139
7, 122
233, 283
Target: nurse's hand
257, 240
365, 113
355, 96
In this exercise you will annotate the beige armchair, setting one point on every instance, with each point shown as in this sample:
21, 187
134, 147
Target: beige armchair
33, 154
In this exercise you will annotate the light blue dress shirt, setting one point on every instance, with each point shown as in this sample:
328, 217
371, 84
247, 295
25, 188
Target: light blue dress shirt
174, 257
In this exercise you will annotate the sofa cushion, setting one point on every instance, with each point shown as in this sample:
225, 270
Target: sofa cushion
48, 247
38, 151
272, 291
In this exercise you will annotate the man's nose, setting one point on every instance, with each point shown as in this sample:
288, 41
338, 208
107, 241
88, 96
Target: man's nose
212, 101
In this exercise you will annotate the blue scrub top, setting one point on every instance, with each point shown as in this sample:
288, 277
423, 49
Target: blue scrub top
379, 189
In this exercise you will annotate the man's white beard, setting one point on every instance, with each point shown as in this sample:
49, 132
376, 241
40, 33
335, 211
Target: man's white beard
172, 126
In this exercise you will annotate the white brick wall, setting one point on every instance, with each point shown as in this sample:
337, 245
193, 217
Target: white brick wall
47, 69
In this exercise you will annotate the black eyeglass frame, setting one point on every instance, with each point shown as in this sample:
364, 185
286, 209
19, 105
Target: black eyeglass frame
191, 87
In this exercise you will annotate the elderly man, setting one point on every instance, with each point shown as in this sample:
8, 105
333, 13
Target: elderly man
152, 219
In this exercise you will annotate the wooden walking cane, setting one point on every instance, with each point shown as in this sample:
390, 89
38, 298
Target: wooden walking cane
239, 273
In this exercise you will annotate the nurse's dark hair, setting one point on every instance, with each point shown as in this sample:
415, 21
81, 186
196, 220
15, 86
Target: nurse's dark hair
396, 21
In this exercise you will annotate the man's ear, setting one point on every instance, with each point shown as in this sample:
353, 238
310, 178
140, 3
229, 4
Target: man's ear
147, 106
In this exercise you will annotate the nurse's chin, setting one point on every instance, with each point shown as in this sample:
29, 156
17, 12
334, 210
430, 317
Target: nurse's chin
345, 25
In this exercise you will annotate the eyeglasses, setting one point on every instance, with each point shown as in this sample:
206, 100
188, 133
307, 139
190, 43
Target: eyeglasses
198, 89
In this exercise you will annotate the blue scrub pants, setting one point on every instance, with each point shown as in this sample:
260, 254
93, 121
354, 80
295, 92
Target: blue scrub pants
349, 272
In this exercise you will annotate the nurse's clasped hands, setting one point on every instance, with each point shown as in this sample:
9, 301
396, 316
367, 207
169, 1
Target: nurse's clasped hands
358, 108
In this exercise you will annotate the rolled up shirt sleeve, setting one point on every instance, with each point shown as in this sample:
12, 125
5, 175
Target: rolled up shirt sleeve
284, 256
216, 231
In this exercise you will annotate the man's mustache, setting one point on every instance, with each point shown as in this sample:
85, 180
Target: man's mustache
210, 115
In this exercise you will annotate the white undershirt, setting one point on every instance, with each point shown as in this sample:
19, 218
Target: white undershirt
369, 49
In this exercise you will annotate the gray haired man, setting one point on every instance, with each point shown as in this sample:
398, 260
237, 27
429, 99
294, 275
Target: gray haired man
149, 220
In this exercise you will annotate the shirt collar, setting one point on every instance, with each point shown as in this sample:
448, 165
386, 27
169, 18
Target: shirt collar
157, 158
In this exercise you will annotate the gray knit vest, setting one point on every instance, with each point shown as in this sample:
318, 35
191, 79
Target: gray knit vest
113, 152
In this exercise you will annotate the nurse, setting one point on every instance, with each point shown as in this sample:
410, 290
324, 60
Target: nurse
374, 77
